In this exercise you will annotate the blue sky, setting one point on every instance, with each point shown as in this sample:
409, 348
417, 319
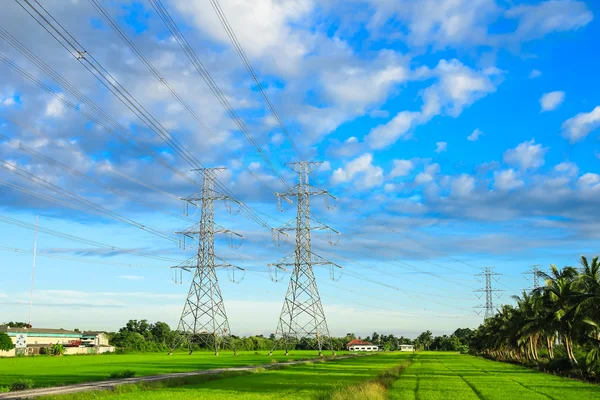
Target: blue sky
456, 135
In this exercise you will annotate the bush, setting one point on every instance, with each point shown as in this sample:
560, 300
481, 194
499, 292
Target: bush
57, 349
5, 342
4, 389
21, 384
122, 374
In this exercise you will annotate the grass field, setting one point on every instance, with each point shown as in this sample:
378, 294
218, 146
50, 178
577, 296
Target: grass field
434, 376
53, 371
300, 382
427, 376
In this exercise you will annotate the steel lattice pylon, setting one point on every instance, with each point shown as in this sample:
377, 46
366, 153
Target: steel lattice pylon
302, 314
203, 318
489, 274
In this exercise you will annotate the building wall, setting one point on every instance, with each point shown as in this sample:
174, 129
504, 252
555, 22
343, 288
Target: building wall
363, 347
45, 340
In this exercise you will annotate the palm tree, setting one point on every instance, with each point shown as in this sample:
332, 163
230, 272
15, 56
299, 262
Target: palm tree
560, 292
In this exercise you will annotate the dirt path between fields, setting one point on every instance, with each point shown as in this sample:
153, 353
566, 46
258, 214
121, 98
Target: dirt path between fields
107, 385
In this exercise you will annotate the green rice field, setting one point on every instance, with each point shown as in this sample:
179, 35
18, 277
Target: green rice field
434, 376
55, 371
424, 376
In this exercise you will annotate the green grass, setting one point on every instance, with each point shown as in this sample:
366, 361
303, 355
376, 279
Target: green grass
308, 381
54, 371
434, 376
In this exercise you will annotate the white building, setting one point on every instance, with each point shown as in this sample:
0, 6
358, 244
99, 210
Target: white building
407, 347
359, 345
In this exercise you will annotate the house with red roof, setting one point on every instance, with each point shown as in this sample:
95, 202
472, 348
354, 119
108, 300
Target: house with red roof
360, 345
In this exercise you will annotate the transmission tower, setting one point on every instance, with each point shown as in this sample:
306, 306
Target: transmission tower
534, 271
302, 315
203, 318
488, 274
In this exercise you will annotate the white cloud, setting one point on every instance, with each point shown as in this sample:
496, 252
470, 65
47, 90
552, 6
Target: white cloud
535, 73
462, 186
506, 180
567, 168
379, 114
428, 174
589, 181
389, 187
263, 28
445, 22
401, 168
551, 101
458, 87
277, 138
578, 127
8, 101
475, 135
550, 16
441, 147
356, 86
368, 174
325, 166
132, 277
254, 165
384, 135
55, 108
526, 155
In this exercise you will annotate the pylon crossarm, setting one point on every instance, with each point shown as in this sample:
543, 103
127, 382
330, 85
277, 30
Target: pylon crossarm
220, 229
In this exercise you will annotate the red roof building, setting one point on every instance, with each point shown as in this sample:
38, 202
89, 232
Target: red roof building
357, 342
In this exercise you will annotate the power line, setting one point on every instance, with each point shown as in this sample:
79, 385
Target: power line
164, 82
66, 40
240, 50
82, 203
195, 60
18, 145
47, 254
83, 240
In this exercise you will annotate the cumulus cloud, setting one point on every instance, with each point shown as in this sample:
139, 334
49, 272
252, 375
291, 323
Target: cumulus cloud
527, 155
506, 180
55, 108
462, 186
428, 174
550, 101
440, 147
443, 23
384, 135
578, 127
457, 87
537, 20
567, 168
362, 168
535, 73
474, 136
401, 168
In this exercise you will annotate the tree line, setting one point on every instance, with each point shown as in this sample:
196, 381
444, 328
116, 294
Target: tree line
556, 325
143, 336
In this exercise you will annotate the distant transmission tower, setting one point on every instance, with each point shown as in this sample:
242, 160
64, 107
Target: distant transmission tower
203, 318
535, 270
488, 274
302, 315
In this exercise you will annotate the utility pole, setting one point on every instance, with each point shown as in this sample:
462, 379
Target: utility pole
488, 274
535, 270
203, 317
302, 315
